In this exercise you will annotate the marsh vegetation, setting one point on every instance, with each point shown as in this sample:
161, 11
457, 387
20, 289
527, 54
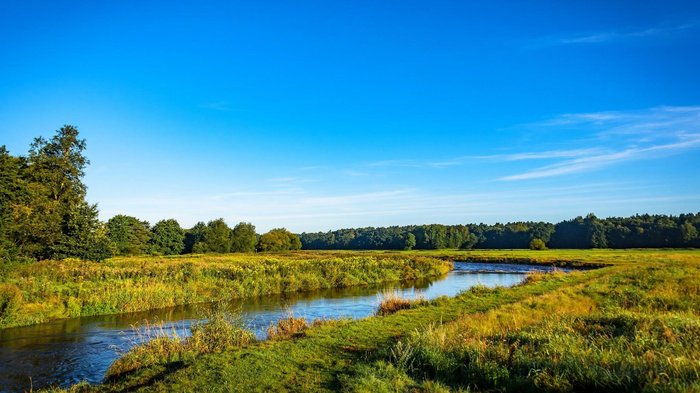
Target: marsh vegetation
631, 326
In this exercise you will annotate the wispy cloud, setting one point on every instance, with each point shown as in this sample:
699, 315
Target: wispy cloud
623, 136
614, 35
542, 155
312, 210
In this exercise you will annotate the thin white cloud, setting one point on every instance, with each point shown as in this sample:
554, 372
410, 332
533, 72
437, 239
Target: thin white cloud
314, 210
542, 155
614, 35
623, 136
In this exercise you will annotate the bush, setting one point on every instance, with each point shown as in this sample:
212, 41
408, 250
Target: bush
537, 244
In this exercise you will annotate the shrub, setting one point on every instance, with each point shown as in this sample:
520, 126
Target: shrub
537, 244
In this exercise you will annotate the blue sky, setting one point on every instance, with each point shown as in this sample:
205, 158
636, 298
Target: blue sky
322, 115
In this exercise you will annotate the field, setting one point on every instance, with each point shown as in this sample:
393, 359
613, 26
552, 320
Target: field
48, 290
633, 325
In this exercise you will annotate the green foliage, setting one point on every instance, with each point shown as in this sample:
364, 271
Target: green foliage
688, 232
167, 238
279, 239
43, 212
641, 231
129, 235
194, 238
217, 238
410, 241
85, 237
243, 238
537, 244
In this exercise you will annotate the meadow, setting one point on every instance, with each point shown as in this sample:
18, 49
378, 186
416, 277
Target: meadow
632, 325
43, 291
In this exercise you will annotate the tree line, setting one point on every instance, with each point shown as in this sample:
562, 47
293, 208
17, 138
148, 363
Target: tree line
44, 215
131, 236
639, 231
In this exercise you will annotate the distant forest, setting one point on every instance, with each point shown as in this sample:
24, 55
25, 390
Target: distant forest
640, 231
44, 215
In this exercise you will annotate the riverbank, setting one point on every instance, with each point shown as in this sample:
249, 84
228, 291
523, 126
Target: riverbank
631, 326
49, 290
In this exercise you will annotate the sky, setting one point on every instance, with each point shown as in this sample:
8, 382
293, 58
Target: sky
319, 115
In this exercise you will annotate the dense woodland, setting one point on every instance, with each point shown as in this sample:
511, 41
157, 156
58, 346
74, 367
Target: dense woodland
44, 215
640, 231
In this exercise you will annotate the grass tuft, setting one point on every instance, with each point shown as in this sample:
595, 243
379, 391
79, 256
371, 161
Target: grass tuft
288, 327
392, 302
221, 331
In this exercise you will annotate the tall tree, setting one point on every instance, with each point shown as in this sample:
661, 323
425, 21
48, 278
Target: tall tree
244, 238
410, 241
12, 191
52, 219
167, 237
217, 238
194, 239
129, 235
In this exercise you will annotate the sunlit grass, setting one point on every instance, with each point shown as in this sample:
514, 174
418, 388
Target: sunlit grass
632, 326
48, 290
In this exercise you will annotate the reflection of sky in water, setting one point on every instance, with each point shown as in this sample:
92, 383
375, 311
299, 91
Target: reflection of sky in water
69, 351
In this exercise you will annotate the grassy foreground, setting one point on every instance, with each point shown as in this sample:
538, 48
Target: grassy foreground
48, 290
631, 326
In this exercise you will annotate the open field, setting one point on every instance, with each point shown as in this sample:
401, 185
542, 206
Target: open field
48, 290
631, 326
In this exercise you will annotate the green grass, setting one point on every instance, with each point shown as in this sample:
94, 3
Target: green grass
631, 326
48, 290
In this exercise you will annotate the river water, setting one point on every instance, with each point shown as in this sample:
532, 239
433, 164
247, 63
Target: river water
67, 351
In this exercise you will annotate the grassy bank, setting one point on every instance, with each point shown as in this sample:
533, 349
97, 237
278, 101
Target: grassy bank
631, 326
43, 291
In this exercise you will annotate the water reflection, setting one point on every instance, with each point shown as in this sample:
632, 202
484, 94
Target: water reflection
68, 351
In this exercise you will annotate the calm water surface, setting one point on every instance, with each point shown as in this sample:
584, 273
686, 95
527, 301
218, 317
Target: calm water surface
68, 351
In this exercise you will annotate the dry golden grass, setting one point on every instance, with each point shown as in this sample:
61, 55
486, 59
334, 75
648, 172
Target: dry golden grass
392, 302
287, 328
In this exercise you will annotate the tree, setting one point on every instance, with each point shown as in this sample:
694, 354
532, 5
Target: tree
279, 239
244, 238
12, 191
469, 242
85, 236
194, 238
129, 235
537, 244
688, 232
410, 241
51, 218
217, 237
167, 237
